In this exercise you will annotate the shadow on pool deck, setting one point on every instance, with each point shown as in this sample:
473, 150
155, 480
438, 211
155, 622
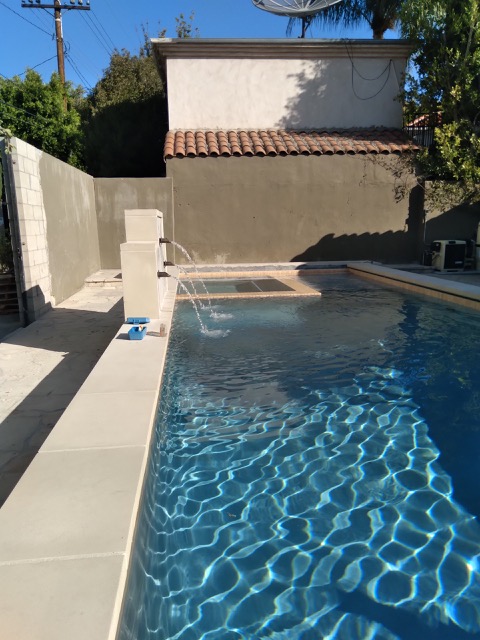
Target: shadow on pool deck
41, 369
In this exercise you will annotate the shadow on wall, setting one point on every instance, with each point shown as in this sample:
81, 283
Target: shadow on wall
79, 337
328, 94
302, 110
459, 223
34, 304
388, 247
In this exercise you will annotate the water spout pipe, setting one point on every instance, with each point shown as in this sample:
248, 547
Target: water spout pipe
164, 241
163, 274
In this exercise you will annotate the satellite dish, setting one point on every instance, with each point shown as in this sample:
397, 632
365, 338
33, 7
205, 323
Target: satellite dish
304, 9
294, 8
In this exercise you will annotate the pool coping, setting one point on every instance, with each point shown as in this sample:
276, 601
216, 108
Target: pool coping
67, 530
448, 291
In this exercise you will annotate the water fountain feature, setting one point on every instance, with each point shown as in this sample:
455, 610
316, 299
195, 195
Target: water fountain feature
146, 272
215, 315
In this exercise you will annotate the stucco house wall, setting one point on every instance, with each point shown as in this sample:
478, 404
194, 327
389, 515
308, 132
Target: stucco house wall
274, 150
289, 84
252, 209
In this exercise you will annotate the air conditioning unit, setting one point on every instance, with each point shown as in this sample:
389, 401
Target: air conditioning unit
448, 255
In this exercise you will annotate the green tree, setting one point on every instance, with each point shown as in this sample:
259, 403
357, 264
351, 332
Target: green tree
125, 119
380, 15
34, 111
446, 81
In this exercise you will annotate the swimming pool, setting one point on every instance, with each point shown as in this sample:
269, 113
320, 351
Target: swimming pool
314, 474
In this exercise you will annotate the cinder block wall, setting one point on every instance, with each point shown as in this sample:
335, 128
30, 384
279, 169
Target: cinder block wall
55, 207
27, 198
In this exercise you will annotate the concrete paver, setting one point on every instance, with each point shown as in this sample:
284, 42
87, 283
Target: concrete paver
41, 369
52, 592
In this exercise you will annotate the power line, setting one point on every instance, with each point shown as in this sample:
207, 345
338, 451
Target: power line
77, 70
94, 17
115, 15
102, 42
26, 19
43, 18
86, 60
37, 65
57, 14
34, 115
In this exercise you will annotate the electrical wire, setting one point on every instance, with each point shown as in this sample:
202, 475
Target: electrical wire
107, 49
94, 17
388, 69
34, 115
350, 55
37, 65
78, 52
115, 15
43, 18
26, 19
77, 70
102, 37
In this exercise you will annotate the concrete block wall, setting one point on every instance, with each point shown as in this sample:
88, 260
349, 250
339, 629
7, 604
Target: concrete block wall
32, 224
52, 209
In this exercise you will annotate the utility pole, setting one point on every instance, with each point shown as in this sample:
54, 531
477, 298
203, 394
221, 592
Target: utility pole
59, 39
57, 14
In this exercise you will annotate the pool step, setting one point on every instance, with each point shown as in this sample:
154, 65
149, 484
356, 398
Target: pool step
8, 295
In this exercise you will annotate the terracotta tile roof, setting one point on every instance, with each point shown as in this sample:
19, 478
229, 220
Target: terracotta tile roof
271, 142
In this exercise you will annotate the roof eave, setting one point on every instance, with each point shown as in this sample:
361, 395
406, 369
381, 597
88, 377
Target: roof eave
165, 48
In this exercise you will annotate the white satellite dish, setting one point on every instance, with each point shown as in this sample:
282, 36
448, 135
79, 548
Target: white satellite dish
294, 8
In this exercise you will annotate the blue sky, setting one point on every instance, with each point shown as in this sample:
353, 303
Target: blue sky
26, 39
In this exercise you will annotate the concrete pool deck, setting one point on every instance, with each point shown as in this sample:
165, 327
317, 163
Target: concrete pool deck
67, 528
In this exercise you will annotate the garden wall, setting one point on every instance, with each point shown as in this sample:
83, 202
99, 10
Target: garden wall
302, 208
113, 196
52, 207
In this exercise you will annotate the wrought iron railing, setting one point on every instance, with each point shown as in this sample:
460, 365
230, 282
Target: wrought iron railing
421, 128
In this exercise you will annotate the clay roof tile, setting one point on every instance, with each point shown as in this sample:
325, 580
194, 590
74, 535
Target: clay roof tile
273, 142
268, 143
212, 144
235, 144
169, 149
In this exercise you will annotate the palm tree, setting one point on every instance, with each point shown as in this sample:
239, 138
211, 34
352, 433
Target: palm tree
381, 15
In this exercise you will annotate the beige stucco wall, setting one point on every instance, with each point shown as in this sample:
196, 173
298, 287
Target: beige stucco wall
288, 83
113, 196
293, 208
291, 94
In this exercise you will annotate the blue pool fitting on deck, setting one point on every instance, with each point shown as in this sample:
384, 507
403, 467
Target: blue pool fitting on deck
137, 332
135, 320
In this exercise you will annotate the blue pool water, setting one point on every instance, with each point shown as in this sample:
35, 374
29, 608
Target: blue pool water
315, 474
